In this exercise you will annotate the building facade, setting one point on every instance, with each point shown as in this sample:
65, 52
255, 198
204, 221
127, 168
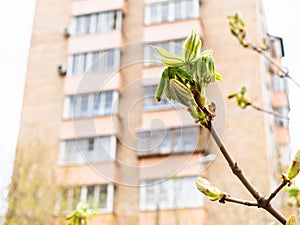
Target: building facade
89, 102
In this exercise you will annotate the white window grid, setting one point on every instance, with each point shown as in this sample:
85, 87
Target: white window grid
150, 55
80, 151
96, 22
91, 105
175, 140
169, 11
94, 62
99, 198
170, 194
282, 119
279, 83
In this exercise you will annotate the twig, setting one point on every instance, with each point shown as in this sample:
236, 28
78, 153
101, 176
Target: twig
262, 202
268, 112
238, 201
233, 165
284, 71
280, 186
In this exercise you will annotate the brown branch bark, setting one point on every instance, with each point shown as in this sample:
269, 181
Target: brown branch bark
262, 201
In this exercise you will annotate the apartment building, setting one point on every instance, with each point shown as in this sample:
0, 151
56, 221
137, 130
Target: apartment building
89, 101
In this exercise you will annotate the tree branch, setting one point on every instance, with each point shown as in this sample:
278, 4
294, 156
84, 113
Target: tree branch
233, 165
238, 201
280, 186
284, 71
268, 112
262, 202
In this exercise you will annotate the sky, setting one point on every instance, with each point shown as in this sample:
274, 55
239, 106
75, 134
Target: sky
282, 15
283, 20
16, 18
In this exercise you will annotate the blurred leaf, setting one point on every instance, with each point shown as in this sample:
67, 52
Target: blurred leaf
291, 220
218, 76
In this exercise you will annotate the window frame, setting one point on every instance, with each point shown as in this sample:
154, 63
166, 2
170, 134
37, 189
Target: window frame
71, 204
73, 105
165, 12
93, 22
85, 62
150, 144
150, 202
71, 154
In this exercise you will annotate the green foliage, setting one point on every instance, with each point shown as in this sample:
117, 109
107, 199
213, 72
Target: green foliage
207, 189
80, 215
186, 78
32, 191
237, 28
240, 98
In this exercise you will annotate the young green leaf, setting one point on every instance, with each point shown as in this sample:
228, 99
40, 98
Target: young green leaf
218, 77
168, 58
291, 220
162, 85
180, 93
191, 47
182, 74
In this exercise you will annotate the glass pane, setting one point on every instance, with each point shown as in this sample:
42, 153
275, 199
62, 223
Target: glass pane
165, 146
189, 139
97, 105
151, 198
76, 196
103, 197
165, 11
108, 102
90, 196
164, 199
84, 105
64, 197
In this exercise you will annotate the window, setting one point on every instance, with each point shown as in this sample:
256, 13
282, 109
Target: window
161, 142
98, 197
282, 120
93, 62
170, 194
91, 105
276, 46
88, 150
151, 104
279, 84
97, 22
173, 46
170, 11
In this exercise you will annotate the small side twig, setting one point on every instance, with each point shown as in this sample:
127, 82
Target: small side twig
238, 201
284, 71
280, 186
278, 115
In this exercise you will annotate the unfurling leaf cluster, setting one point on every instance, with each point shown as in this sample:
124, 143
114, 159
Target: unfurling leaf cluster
80, 215
240, 98
186, 78
237, 28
